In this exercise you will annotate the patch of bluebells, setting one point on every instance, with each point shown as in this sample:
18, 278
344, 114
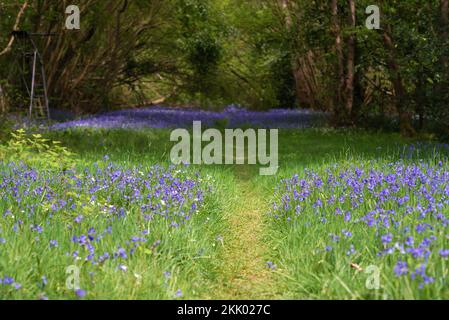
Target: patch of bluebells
399, 212
418, 150
170, 117
103, 214
7, 281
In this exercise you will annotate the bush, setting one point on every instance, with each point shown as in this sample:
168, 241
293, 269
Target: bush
33, 149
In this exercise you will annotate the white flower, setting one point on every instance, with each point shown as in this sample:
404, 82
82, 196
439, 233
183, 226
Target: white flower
123, 268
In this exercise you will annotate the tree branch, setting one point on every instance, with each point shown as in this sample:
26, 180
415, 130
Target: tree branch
15, 28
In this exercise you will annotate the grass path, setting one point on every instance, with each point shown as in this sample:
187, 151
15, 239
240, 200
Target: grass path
244, 274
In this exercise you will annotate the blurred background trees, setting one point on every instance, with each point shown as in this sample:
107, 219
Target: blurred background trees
313, 54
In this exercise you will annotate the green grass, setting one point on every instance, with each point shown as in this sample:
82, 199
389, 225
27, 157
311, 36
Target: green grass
304, 269
189, 253
308, 271
199, 263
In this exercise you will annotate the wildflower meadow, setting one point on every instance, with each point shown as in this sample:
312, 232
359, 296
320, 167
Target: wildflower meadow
224, 158
99, 212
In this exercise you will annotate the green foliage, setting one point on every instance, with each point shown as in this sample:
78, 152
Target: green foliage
5, 127
283, 81
204, 53
259, 53
35, 150
201, 34
221, 124
194, 256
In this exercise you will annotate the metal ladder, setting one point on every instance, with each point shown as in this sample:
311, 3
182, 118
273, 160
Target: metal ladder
32, 73
38, 91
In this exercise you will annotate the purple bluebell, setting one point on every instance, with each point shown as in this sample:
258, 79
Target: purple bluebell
444, 253
80, 293
53, 243
401, 268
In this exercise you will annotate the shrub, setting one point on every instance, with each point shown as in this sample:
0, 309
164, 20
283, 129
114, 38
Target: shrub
34, 149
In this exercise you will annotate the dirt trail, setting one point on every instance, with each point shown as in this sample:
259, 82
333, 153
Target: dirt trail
245, 274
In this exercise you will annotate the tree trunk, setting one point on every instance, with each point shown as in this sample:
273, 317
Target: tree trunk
359, 91
443, 85
400, 94
306, 80
2, 101
15, 28
350, 69
336, 30
444, 17
420, 99
444, 23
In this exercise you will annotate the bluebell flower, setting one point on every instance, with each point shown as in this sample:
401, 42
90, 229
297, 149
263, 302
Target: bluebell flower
80, 293
123, 268
271, 265
346, 233
351, 250
8, 280
409, 241
120, 253
103, 257
444, 253
37, 228
387, 238
178, 293
401, 268
44, 280
78, 219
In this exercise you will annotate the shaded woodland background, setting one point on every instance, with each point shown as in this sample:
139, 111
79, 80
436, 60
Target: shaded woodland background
261, 54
